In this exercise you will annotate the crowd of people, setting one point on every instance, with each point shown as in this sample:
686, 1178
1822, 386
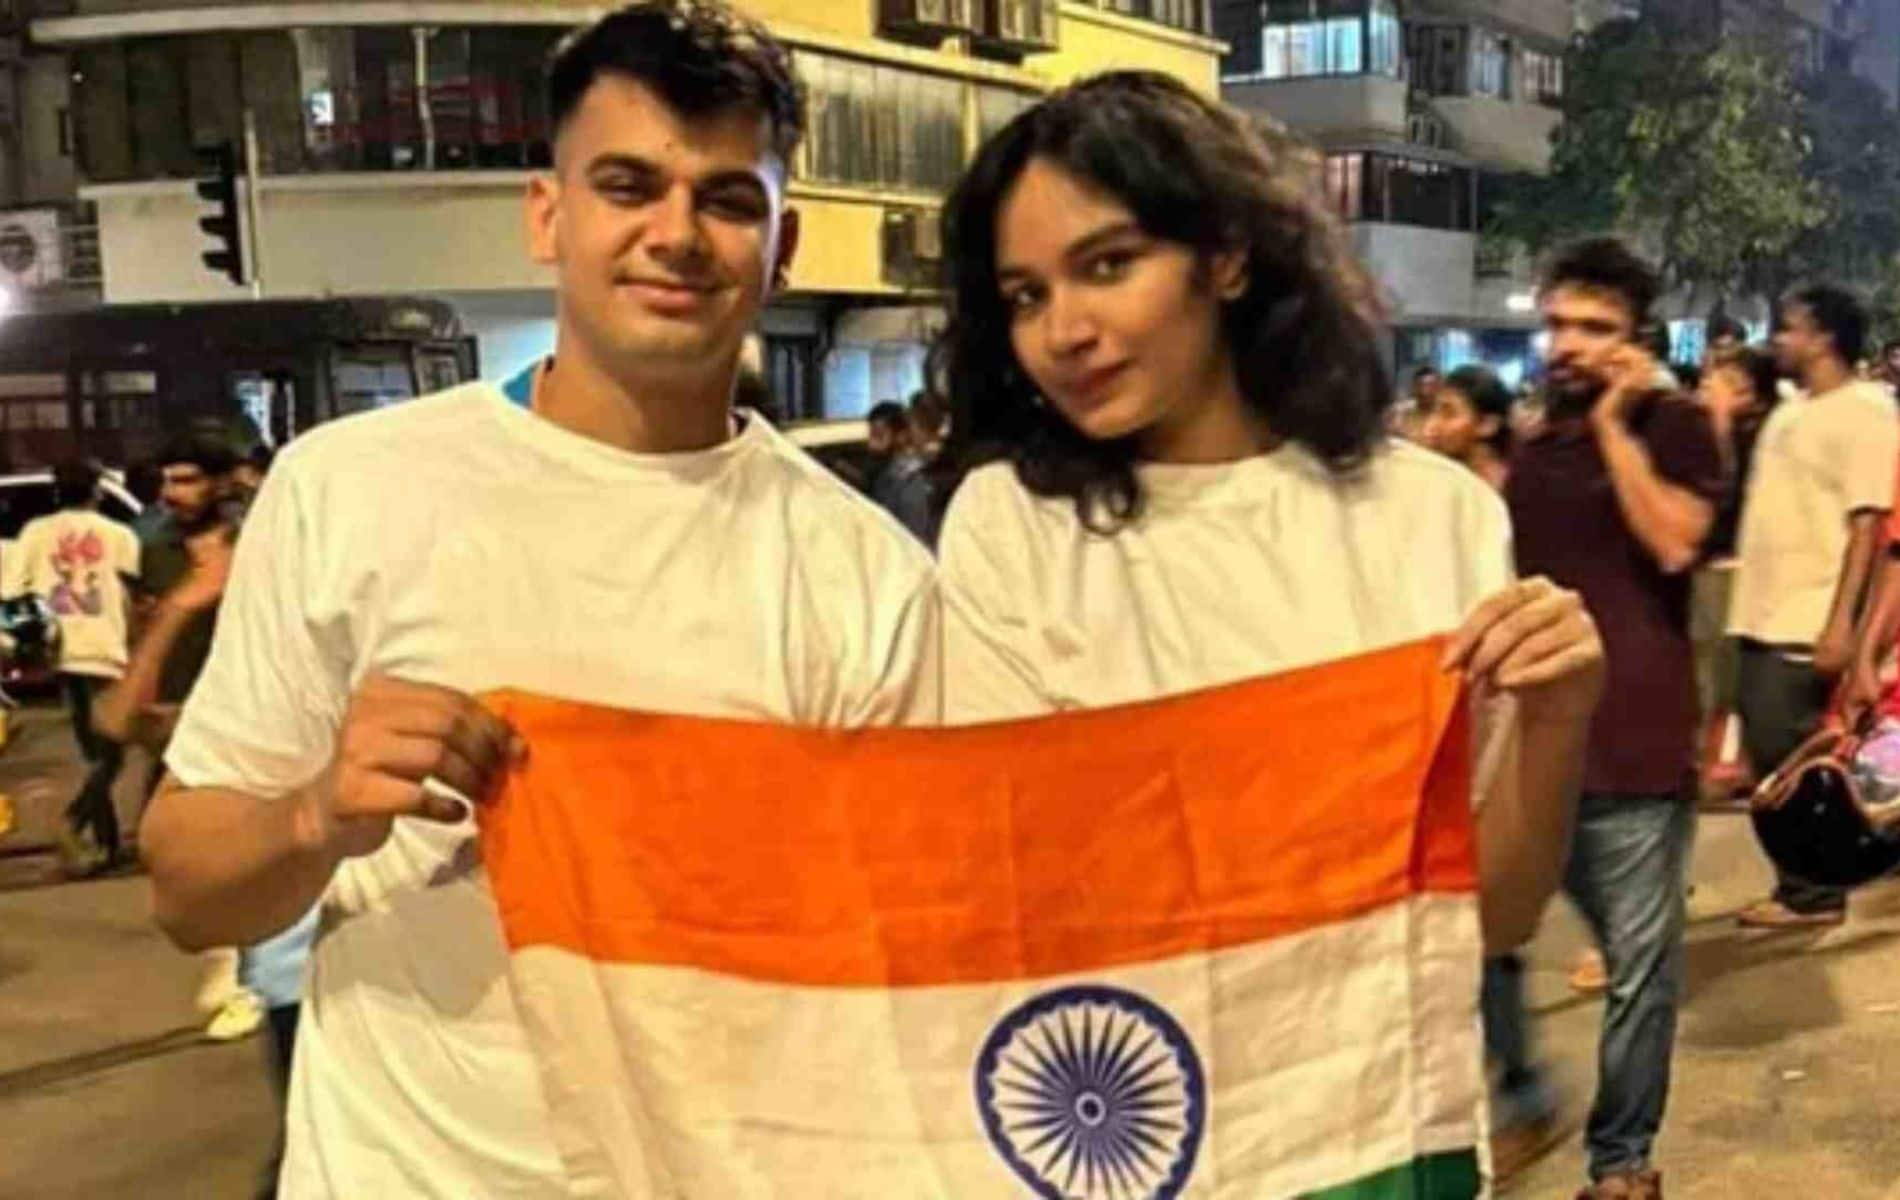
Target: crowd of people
136, 610
1727, 541
1154, 458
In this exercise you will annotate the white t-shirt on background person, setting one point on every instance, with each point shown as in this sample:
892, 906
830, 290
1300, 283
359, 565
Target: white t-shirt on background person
1234, 571
461, 540
1819, 460
78, 561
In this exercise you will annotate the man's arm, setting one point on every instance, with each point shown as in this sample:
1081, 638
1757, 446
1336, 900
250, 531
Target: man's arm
1834, 653
116, 710
1669, 520
230, 868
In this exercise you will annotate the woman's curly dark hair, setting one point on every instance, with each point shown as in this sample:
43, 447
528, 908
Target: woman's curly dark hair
1304, 335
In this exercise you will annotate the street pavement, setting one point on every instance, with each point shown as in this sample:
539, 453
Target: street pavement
1787, 1079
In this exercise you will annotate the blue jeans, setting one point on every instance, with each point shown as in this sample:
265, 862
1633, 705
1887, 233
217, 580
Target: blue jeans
1627, 867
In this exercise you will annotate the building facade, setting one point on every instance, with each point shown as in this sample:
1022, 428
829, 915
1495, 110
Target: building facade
394, 142
1414, 104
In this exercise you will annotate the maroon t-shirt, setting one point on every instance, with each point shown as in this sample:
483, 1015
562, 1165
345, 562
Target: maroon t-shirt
1568, 526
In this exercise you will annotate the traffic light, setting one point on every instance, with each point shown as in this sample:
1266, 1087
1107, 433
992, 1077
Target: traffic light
218, 185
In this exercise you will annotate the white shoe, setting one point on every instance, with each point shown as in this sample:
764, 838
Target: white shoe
220, 981
240, 1017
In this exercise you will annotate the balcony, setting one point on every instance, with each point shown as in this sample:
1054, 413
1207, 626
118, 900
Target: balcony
1503, 135
1331, 108
1424, 274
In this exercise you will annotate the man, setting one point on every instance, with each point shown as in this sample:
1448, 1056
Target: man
194, 479
1613, 499
1811, 528
898, 479
599, 529
929, 423
1726, 337
78, 562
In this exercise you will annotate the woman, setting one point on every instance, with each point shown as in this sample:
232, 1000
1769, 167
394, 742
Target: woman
1470, 422
1166, 381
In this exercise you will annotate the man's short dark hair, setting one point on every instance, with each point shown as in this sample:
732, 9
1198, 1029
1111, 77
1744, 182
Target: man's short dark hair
700, 56
75, 484
1605, 264
1422, 374
1727, 327
1837, 313
891, 415
209, 454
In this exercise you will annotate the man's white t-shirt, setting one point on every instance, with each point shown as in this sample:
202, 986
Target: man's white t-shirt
78, 562
1233, 571
461, 540
1819, 460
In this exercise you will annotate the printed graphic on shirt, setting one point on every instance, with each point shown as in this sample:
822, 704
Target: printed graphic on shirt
79, 561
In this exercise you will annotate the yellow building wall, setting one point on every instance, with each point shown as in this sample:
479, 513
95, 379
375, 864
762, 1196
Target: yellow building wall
1092, 41
841, 18
839, 245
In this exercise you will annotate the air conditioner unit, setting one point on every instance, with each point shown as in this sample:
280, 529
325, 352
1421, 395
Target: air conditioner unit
30, 255
931, 18
913, 247
1021, 24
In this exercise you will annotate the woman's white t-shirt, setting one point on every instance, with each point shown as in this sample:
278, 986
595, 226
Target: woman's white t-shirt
1232, 571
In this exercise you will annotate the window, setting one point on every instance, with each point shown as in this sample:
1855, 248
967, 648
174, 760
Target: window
1490, 65
1385, 37
996, 107
1190, 15
1345, 179
1240, 24
1542, 79
1299, 39
1438, 59
877, 126
451, 100
1412, 191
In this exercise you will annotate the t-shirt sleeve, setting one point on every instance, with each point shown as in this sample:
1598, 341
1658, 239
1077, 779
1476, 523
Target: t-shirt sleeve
988, 668
263, 716
1682, 445
1868, 455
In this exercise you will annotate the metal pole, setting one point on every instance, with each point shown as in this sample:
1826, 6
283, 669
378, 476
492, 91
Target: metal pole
252, 207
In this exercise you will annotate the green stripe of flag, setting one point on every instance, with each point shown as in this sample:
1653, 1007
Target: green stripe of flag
1452, 1176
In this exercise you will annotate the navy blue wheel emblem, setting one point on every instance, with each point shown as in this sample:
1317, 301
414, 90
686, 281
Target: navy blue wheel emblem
1093, 1093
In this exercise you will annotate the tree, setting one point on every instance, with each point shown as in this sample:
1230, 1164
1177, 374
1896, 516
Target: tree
1690, 144
1852, 141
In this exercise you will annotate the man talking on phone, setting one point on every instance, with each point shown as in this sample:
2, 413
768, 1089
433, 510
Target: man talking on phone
1614, 499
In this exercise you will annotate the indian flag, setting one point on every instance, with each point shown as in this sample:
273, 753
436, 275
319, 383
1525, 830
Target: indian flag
1222, 945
